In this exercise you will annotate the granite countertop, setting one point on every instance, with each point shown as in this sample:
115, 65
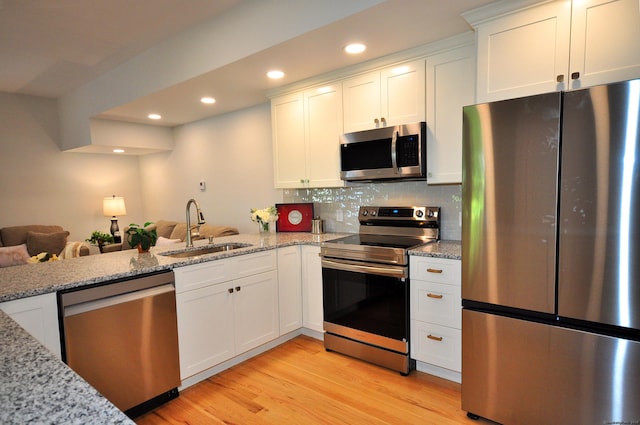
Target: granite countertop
35, 279
442, 249
36, 387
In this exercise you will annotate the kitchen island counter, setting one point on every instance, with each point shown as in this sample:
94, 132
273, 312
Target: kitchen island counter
41, 278
36, 387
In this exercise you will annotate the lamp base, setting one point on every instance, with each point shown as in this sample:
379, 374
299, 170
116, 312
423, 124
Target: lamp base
115, 231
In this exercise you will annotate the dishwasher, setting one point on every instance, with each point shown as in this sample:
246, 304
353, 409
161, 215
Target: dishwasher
122, 338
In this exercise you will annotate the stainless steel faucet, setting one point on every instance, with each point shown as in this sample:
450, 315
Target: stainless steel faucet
197, 226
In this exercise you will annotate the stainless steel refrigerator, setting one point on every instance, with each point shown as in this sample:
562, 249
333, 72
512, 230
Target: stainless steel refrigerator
551, 258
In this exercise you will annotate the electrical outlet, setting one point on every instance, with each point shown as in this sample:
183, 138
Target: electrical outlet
339, 216
203, 185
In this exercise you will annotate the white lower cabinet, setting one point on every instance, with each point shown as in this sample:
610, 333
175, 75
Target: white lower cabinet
436, 321
313, 315
38, 315
289, 289
220, 320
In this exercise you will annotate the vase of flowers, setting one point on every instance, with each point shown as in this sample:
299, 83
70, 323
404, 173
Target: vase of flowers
263, 217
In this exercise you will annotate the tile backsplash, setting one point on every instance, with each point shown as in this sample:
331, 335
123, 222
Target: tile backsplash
333, 204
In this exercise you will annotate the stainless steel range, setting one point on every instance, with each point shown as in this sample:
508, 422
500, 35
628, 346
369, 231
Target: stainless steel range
365, 283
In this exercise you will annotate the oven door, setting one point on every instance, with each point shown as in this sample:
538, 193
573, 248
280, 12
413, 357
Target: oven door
367, 302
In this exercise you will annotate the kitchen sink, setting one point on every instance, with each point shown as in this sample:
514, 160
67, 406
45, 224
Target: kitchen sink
194, 252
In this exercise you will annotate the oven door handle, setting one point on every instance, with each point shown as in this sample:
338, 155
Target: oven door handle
353, 266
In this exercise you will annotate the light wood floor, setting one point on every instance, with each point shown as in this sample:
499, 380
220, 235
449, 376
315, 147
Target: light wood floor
300, 383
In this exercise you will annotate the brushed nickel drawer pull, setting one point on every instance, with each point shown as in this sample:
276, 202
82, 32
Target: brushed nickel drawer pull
430, 270
436, 296
435, 338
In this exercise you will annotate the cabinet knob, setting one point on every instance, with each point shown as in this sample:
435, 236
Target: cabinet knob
230, 290
435, 338
430, 270
560, 78
436, 296
237, 289
376, 121
575, 75
383, 121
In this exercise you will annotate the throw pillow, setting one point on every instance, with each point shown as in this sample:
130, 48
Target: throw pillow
53, 243
14, 255
165, 241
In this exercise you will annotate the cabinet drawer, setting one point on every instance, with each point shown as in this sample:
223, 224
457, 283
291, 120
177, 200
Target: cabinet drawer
436, 303
247, 265
436, 345
440, 270
200, 275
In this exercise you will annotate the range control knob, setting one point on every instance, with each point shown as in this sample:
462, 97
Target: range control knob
365, 213
430, 213
419, 213
374, 213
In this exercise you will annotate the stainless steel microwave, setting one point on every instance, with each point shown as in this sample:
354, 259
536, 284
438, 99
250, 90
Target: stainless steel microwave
389, 153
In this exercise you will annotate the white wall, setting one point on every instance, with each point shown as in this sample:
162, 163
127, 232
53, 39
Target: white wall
231, 152
42, 185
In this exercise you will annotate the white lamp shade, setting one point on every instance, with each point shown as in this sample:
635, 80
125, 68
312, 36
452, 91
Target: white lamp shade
114, 206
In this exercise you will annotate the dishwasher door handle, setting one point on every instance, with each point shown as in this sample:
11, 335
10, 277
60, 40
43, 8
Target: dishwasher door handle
117, 299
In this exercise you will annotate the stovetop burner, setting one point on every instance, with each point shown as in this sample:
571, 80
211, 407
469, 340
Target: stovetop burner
386, 234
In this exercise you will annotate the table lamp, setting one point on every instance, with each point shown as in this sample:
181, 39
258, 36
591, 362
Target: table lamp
113, 207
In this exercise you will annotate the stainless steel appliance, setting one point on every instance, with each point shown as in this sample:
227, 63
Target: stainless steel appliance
388, 153
365, 284
551, 258
122, 338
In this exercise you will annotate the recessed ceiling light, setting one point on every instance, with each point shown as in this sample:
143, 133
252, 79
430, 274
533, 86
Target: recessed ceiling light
208, 100
154, 116
355, 48
275, 74
118, 151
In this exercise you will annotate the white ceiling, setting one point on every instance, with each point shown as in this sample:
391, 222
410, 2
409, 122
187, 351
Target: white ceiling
51, 47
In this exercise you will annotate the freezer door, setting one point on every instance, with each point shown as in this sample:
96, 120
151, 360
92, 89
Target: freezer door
599, 254
510, 169
519, 372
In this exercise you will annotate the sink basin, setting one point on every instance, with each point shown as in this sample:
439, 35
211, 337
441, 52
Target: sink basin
194, 252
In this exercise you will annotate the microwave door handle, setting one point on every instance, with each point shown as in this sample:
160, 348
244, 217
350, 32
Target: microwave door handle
394, 159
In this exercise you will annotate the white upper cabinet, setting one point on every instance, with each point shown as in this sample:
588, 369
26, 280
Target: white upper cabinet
450, 86
306, 128
391, 96
605, 42
323, 127
557, 46
287, 126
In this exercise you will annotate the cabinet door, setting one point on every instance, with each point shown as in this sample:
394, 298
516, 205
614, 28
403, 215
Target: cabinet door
255, 310
289, 289
312, 313
524, 53
323, 118
436, 303
450, 86
437, 345
361, 102
287, 122
205, 328
39, 316
402, 93
605, 42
